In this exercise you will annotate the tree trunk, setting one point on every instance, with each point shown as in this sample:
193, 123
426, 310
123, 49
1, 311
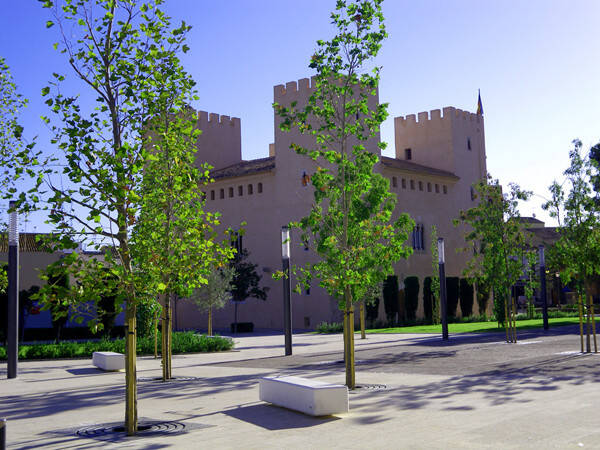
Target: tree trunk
349, 340
362, 320
130, 370
588, 344
506, 322
210, 321
579, 303
514, 318
235, 319
166, 338
156, 314
593, 323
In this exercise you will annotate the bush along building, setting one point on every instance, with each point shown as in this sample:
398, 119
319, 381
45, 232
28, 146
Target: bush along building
438, 156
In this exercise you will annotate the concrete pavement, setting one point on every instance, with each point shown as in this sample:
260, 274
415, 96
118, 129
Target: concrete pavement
417, 392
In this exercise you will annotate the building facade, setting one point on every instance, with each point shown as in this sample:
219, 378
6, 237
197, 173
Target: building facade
438, 156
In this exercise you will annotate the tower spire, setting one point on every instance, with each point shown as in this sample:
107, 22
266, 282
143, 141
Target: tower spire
479, 104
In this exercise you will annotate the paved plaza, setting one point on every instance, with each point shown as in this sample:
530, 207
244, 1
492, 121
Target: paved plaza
416, 391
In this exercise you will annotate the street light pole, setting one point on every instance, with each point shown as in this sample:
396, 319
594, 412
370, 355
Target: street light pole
12, 338
543, 286
443, 296
287, 289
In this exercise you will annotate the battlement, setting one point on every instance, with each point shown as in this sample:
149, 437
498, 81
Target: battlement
302, 86
217, 119
449, 113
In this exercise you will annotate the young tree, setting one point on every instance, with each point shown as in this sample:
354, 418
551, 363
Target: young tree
435, 278
576, 254
125, 53
349, 224
246, 280
174, 240
504, 246
215, 293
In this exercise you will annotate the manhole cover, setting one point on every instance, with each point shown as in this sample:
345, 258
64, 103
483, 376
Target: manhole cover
371, 387
145, 428
160, 380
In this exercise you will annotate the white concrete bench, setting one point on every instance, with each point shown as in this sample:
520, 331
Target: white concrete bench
108, 360
312, 397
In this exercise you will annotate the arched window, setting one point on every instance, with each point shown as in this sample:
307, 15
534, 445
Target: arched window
259, 188
249, 190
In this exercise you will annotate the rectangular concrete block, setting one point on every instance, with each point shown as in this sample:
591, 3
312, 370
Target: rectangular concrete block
108, 360
312, 397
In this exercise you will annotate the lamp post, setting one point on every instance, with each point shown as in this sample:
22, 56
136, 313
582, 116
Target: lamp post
12, 338
287, 289
443, 297
543, 286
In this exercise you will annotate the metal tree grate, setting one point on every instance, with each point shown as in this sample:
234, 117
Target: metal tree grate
145, 428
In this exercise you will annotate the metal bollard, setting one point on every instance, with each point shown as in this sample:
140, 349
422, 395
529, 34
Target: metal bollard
2, 434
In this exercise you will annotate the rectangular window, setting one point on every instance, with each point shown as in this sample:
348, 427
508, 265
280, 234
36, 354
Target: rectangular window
420, 185
230, 192
408, 154
437, 188
412, 184
445, 189
250, 191
403, 183
428, 187
240, 191
212, 194
468, 143
394, 182
260, 188
222, 193
418, 238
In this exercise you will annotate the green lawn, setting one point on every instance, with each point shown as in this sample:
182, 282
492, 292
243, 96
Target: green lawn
476, 327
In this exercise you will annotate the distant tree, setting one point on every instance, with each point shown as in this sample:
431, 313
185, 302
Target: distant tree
411, 289
215, 293
500, 245
245, 282
576, 254
349, 225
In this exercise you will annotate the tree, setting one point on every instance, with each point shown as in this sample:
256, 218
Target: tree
349, 225
174, 239
435, 278
245, 281
576, 254
504, 247
125, 53
215, 293
3, 278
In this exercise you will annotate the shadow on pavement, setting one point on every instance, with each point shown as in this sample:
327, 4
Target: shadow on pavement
273, 417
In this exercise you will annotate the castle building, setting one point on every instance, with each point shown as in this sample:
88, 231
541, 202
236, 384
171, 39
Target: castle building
438, 156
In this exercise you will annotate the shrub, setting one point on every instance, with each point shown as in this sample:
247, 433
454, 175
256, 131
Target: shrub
427, 299
372, 309
145, 314
183, 342
483, 295
466, 297
452, 295
390, 298
411, 289
325, 327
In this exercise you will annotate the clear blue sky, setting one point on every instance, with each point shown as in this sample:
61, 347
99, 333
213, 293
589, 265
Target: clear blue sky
537, 63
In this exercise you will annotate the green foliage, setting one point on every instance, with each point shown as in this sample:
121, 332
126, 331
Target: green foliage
246, 279
435, 278
329, 328
497, 239
466, 297
146, 312
411, 297
3, 278
483, 295
576, 254
349, 225
183, 342
217, 291
452, 293
390, 298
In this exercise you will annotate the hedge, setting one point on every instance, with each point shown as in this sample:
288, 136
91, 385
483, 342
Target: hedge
183, 342
452, 289
466, 297
411, 289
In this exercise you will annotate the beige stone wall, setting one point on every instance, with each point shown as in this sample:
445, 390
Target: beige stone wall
436, 141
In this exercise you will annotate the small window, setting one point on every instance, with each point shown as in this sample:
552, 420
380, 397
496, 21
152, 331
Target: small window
468, 143
394, 182
307, 322
428, 187
240, 191
412, 184
230, 192
250, 190
420, 185
307, 291
403, 183
222, 193
445, 189
212, 194
473, 196
408, 154
259, 188
437, 188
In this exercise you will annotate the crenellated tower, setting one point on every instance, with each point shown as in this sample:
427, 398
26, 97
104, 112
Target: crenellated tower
220, 143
